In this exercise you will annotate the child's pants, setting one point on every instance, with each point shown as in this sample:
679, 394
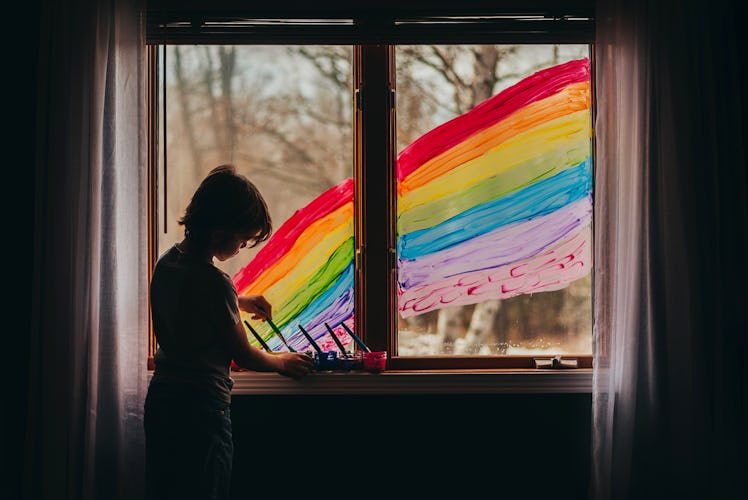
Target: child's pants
189, 447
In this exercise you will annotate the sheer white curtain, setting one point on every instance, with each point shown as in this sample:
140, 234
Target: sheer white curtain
670, 392
87, 373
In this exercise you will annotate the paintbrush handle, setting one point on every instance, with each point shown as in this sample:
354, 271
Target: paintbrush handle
355, 337
257, 336
310, 339
280, 335
336, 339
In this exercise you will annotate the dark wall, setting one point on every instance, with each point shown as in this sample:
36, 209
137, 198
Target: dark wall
20, 109
403, 446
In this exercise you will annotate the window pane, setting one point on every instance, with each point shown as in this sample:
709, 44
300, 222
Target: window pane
283, 116
494, 207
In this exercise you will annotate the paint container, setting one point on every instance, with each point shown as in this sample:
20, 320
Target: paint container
326, 361
352, 361
375, 361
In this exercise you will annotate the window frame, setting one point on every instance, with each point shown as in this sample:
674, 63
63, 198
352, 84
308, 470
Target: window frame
374, 138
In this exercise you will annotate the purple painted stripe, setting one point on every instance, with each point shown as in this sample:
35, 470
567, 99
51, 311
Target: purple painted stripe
502, 246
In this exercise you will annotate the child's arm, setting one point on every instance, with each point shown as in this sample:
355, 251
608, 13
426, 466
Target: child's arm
245, 355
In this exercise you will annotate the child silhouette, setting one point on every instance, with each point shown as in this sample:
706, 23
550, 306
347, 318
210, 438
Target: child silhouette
196, 319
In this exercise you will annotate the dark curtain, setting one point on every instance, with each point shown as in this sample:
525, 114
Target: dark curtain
87, 350
671, 308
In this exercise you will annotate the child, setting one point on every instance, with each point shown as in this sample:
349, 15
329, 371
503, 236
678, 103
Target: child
196, 320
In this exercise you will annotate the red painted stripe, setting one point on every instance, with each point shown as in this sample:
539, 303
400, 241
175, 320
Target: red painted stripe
533, 88
282, 241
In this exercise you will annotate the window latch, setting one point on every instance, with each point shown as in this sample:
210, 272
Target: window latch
555, 363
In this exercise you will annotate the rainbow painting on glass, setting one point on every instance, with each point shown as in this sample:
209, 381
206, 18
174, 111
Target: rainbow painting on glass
305, 270
494, 203
497, 202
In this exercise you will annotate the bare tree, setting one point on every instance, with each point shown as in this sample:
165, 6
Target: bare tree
184, 96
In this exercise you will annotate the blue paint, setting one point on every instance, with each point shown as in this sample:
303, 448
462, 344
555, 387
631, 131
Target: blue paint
538, 199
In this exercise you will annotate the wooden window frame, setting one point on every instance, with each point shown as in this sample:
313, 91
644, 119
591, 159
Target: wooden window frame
374, 150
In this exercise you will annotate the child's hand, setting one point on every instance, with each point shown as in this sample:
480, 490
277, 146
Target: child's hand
296, 364
257, 305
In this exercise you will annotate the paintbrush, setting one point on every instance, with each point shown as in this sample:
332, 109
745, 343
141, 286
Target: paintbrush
355, 337
279, 334
337, 341
257, 336
310, 339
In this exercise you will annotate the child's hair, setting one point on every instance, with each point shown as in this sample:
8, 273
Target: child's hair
226, 201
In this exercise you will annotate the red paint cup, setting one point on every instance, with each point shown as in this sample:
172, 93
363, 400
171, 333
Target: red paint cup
375, 361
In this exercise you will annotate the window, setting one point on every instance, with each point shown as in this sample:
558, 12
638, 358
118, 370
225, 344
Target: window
430, 179
283, 116
494, 200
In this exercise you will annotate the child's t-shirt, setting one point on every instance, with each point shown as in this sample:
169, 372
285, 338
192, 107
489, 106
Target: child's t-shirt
193, 304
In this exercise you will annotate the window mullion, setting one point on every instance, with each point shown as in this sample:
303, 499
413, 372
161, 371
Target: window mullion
375, 201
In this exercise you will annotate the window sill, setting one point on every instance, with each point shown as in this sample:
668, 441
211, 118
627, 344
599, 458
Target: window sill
418, 382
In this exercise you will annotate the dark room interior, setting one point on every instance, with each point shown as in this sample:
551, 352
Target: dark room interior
674, 299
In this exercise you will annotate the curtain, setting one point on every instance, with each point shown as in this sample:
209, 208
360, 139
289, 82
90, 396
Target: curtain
671, 212
87, 366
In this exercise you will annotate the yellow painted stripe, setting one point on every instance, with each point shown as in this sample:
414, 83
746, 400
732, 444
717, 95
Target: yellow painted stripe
570, 100
564, 133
